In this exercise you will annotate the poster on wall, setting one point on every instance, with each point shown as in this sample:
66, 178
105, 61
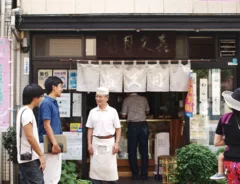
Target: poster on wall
4, 84
63, 75
199, 127
72, 83
64, 105
77, 105
74, 146
203, 97
216, 91
42, 76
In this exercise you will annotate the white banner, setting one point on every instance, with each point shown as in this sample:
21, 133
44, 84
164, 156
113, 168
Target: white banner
179, 77
87, 77
194, 80
203, 97
158, 78
135, 78
111, 76
216, 91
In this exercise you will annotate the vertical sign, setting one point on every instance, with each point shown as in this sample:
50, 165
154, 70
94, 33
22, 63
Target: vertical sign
194, 81
216, 90
203, 97
26, 66
64, 105
189, 99
4, 84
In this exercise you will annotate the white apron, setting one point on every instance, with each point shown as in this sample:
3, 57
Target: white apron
52, 172
103, 164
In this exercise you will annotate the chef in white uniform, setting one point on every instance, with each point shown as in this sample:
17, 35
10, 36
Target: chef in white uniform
103, 123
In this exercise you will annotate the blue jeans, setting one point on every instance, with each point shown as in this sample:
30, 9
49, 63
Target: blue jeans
138, 135
30, 173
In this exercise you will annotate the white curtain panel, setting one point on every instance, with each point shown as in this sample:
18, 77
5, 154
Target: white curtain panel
135, 78
179, 77
111, 76
158, 78
87, 77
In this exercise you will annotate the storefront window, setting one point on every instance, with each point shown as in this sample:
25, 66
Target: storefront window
204, 122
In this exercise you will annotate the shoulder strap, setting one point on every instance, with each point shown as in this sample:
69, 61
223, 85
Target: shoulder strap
225, 119
20, 134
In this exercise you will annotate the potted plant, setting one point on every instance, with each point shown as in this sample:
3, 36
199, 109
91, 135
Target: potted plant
9, 143
195, 165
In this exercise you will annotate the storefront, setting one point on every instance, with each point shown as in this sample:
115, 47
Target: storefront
139, 43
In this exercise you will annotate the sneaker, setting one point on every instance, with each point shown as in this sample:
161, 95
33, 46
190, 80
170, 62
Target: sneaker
217, 177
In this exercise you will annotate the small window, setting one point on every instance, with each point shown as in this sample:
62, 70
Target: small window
53, 46
65, 47
201, 47
91, 46
228, 47
181, 47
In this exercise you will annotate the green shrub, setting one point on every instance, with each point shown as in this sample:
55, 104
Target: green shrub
195, 164
10, 144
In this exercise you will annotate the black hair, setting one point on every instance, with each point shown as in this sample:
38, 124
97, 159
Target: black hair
31, 91
52, 81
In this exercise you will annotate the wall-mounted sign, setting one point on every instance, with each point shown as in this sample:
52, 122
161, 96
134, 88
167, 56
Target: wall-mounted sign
136, 45
63, 75
42, 76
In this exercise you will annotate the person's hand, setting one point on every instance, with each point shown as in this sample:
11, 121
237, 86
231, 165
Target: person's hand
56, 149
42, 163
90, 149
115, 148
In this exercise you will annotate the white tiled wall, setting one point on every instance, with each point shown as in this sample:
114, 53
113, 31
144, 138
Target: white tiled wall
129, 6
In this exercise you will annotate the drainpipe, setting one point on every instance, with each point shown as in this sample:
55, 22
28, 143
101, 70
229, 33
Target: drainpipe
2, 36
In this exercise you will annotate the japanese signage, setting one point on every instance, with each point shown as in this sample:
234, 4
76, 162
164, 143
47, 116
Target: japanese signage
135, 78
203, 97
72, 79
216, 91
111, 76
189, 100
136, 45
63, 75
4, 84
42, 76
64, 104
26, 66
77, 105
158, 77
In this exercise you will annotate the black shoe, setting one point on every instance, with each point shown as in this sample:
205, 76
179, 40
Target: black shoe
135, 178
144, 178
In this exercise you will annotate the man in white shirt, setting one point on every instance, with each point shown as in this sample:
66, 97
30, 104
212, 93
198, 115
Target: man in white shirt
103, 122
30, 157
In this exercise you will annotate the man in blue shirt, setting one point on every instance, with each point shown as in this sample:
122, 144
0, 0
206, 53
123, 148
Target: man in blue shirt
50, 124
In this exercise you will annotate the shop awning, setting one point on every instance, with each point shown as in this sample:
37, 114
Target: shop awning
138, 22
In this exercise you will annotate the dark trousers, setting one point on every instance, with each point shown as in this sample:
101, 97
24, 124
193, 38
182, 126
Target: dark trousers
138, 135
30, 173
103, 182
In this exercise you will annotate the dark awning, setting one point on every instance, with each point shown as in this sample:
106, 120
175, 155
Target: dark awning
185, 22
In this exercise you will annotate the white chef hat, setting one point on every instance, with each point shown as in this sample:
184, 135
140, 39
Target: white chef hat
102, 91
